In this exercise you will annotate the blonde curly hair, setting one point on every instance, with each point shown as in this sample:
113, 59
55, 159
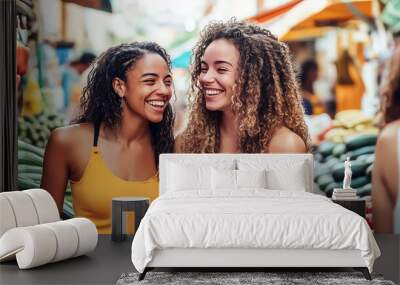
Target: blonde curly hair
266, 96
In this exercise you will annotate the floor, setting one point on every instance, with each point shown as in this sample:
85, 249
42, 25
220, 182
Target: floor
110, 259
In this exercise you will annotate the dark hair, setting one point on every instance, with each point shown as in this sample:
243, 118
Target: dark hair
343, 68
85, 58
390, 104
307, 66
267, 96
101, 104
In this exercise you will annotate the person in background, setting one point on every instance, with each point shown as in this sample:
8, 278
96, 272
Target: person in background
350, 86
386, 171
74, 74
308, 75
244, 96
114, 146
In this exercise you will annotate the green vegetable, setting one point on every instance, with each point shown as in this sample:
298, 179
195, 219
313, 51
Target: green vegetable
31, 148
359, 141
318, 157
33, 176
329, 188
324, 180
367, 158
364, 150
325, 148
26, 168
359, 182
357, 168
332, 162
368, 171
26, 157
321, 169
339, 149
68, 209
364, 190
24, 183
370, 160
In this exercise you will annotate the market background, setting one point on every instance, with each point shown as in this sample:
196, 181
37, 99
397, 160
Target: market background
350, 39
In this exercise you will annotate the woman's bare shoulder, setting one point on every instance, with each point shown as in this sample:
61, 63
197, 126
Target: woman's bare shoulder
387, 139
285, 140
71, 135
389, 132
178, 143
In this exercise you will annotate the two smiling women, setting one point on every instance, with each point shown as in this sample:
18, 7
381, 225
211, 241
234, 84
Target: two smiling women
244, 99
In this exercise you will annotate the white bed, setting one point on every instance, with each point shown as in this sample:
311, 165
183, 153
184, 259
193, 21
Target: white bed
237, 215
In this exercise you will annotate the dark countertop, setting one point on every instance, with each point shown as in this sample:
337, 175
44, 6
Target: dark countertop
110, 259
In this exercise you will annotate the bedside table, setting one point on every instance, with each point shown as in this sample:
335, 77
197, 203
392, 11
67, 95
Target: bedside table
357, 206
120, 207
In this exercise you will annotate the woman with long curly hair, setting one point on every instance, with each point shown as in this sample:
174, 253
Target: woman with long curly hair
244, 94
113, 148
386, 171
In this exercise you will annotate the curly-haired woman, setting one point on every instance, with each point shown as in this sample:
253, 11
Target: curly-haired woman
244, 94
386, 171
113, 148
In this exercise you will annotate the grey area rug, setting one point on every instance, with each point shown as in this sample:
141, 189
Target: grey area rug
225, 278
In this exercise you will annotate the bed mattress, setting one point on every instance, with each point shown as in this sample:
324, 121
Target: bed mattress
250, 219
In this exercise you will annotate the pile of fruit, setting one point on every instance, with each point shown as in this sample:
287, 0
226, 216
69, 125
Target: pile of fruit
352, 135
346, 124
30, 168
36, 129
329, 165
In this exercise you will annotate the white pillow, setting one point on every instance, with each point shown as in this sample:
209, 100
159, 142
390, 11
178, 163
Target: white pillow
187, 177
223, 179
251, 178
282, 174
228, 179
281, 180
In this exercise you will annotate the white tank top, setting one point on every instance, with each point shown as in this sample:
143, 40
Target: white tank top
397, 207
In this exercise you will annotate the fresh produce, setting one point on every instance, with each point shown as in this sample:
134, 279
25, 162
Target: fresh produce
364, 190
359, 182
68, 209
361, 151
338, 135
28, 147
351, 118
321, 169
325, 148
339, 149
35, 129
357, 168
348, 124
351, 135
30, 161
368, 171
30, 158
324, 180
26, 183
26, 168
361, 140
330, 187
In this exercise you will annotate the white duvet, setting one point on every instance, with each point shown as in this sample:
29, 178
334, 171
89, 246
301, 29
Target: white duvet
253, 218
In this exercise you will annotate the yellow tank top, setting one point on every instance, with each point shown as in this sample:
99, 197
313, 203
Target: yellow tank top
92, 194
